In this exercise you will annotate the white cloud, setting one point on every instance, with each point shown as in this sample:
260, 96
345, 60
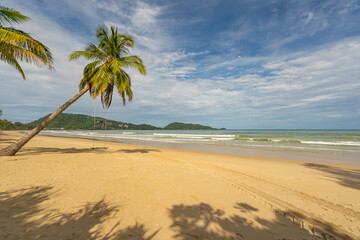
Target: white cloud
309, 17
145, 17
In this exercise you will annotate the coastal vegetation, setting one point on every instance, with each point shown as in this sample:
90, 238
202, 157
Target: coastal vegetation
8, 125
18, 45
69, 121
100, 77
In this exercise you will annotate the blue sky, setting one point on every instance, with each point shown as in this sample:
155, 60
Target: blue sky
234, 64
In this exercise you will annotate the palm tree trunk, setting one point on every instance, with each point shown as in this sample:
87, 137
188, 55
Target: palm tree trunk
12, 149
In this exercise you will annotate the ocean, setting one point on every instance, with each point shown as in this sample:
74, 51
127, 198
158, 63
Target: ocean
337, 146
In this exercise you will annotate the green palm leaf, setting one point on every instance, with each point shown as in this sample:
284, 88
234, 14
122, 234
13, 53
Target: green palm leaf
8, 15
19, 45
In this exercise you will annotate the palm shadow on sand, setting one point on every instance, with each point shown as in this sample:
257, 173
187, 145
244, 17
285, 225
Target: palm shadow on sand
6, 140
344, 177
40, 150
138, 150
202, 221
25, 214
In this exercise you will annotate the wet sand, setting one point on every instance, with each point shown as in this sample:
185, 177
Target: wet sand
59, 188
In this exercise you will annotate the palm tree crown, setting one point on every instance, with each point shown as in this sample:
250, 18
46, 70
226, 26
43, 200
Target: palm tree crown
106, 72
16, 44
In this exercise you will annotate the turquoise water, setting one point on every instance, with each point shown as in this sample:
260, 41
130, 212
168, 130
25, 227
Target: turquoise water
342, 143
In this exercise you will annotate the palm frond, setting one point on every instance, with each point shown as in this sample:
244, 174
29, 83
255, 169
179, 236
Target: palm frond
16, 44
104, 42
102, 33
85, 54
9, 59
134, 62
126, 41
29, 56
115, 66
8, 15
106, 96
92, 48
101, 79
89, 71
123, 86
24, 40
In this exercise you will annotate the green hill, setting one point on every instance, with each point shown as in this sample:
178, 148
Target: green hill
187, 126
70, 121
85, 122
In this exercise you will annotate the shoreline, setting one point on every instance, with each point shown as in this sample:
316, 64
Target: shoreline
159, 190
273, 153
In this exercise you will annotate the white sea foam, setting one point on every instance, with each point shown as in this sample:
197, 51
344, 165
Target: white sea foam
339, 143
184, 135
222, 138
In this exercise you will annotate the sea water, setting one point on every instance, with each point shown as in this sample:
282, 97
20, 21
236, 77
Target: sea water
326, 145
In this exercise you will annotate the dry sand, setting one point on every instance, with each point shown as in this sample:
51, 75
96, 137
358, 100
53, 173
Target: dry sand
58, 188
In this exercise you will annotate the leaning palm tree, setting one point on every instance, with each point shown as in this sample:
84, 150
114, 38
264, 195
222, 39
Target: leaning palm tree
101, 77
18, 45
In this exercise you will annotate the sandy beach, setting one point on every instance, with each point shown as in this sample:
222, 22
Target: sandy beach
59, 188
